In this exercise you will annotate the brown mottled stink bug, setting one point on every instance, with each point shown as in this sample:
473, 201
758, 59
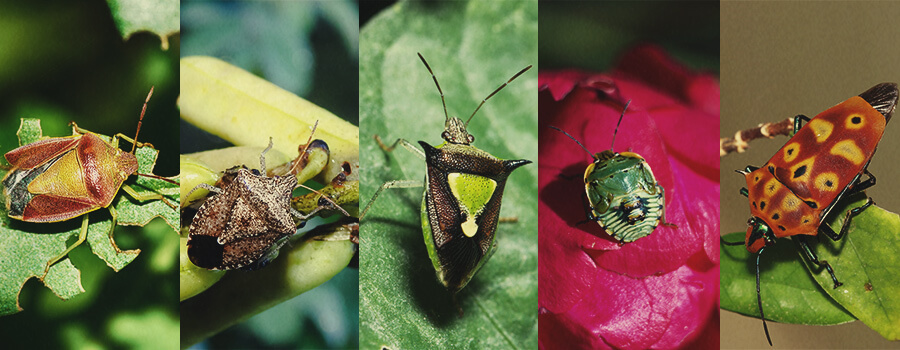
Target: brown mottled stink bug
247, 219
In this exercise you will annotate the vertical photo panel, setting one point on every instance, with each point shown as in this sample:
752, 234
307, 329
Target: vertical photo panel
628, 175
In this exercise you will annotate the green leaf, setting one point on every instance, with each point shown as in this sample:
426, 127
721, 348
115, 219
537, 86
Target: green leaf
473, 47
789, 294
160, 17
867, 262
26, 248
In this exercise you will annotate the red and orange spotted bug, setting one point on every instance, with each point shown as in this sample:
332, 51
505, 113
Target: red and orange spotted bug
823, 162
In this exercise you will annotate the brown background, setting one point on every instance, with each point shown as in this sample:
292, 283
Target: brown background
780, 59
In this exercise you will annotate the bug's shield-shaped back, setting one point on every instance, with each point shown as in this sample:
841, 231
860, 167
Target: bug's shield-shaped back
461, 208
242, 228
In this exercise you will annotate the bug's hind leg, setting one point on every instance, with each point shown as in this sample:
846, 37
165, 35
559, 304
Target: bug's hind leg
828, 231
813, 258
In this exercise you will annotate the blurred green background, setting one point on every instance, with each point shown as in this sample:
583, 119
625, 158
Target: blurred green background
592, 35
310, 49
65, 61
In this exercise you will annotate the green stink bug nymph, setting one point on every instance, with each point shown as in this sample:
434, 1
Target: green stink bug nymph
461, 203
623, 195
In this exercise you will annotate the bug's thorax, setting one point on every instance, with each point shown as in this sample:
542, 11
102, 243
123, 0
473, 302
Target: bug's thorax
759, 235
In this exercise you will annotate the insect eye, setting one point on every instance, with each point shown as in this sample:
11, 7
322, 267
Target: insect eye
445, 135
471, 138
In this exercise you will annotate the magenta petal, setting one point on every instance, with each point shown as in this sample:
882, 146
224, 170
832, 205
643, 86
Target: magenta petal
659, 291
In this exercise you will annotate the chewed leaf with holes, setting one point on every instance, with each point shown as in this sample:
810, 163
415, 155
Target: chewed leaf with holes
26, 247
159, 17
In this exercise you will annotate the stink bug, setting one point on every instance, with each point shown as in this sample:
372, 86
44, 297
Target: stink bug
250, 217
824, 161
461, 202
623, 195
60, 178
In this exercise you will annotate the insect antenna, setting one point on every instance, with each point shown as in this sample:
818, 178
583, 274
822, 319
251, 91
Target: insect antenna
573, 139
294, 167
759, 299
140, 121
446, 116
619, 123
329, 200
495, 91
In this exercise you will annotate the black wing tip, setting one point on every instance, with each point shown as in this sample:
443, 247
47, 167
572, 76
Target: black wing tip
883, 97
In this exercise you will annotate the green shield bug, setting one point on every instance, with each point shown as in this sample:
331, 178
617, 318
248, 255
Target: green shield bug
623, 196
461, 203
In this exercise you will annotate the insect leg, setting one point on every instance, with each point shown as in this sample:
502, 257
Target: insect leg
588, 211
798, 122
81, 238
390, 184
406, 144
662, 217
152, 196
863, 185
724, 242
813, 258
828, 231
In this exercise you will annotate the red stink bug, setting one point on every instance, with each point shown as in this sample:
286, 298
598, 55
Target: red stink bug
821, 164
59, 178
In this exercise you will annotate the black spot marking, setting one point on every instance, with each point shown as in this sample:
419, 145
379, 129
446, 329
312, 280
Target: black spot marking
805, 221
754, 204
829, 184
762, 205
776, 216
800, 171
756, 178
790, 151
771, 169
205, 251
856, 120
812, 204
781, 227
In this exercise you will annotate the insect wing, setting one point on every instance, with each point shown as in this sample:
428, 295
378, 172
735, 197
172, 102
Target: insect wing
826, 154
238, 228
462, 209
34, 154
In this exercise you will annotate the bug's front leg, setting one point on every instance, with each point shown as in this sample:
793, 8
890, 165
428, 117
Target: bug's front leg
406, 144
387, 185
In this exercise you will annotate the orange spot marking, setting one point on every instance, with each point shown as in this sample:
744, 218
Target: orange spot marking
827, 182
849, 150
855, 121
790, 203
821, 128
791, 151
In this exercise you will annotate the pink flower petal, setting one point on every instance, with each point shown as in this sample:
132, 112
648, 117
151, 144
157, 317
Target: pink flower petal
661, 290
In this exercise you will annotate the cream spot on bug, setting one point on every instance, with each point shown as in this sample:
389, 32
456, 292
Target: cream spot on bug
821, 128
855, 121
472, 192
849, 150
790, 203
826, 182
772, 187
791, 151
